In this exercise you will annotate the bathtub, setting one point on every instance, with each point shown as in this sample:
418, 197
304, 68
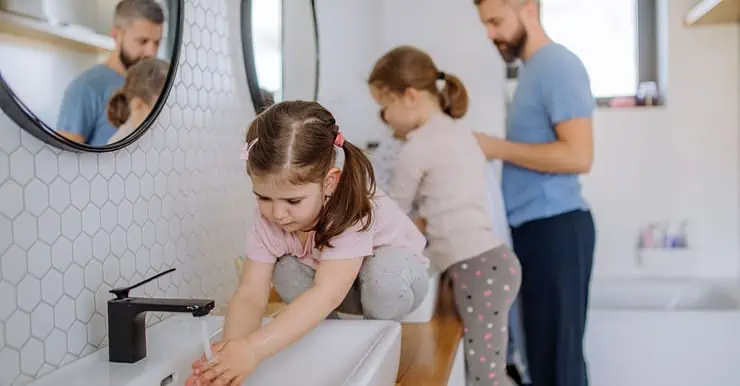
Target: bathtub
655, 332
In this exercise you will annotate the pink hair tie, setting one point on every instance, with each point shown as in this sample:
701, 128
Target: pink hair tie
246, 148
339, 139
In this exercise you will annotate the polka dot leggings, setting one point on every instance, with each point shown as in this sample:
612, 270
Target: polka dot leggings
484, 289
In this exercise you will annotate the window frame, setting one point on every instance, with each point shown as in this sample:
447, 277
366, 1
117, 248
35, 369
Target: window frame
647, 51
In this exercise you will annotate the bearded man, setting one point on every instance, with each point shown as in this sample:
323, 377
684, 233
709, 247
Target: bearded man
548, 144
137, 32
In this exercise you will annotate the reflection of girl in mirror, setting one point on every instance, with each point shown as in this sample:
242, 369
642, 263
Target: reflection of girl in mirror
442, 168
130, 105
321, 235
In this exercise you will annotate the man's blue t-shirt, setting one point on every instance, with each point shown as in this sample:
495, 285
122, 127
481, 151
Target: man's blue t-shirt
553, 87
85, 102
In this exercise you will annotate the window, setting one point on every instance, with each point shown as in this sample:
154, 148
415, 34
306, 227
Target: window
615, 39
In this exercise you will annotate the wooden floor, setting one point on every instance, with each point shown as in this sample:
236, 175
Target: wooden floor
427, 349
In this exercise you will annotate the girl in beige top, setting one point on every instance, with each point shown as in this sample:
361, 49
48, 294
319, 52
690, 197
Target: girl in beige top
442, 170
131, 105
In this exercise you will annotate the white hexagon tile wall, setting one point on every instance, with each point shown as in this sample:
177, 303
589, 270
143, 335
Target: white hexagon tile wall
72, 226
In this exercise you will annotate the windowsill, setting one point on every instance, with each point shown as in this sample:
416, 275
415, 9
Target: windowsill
626, 103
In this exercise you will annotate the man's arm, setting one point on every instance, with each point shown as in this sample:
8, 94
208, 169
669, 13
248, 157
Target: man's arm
76, 120
572, 152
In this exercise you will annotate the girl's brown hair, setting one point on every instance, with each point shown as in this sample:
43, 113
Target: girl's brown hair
408, 66
144, 80
295, 140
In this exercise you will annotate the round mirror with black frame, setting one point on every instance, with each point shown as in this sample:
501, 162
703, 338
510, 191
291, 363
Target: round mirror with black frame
86, 83
281, 50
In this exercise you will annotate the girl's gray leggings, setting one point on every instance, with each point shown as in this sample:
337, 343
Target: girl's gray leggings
391, 284
484, 288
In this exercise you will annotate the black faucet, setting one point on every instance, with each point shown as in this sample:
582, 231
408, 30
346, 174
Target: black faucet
127, 319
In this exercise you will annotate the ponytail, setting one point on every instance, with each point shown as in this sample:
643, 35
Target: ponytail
352, 200
118, 109
454, 96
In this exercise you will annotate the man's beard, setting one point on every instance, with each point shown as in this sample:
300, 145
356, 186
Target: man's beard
127, 60
511, 50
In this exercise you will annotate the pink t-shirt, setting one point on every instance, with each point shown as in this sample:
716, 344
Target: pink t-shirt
266, 242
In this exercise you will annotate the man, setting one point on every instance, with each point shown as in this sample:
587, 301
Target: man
137, 32
548, 144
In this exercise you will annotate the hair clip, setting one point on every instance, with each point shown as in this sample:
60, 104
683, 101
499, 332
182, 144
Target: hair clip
339, 139
246, 148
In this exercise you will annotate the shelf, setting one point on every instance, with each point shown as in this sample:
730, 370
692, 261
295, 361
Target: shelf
712, 12
71, 36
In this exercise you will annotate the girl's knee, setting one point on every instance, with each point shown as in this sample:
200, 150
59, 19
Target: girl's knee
386, 298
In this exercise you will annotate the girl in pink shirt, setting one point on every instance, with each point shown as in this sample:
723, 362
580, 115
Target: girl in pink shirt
321, 236
441, 168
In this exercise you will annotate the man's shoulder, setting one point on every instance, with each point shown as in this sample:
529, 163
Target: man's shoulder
97, 78
558, 58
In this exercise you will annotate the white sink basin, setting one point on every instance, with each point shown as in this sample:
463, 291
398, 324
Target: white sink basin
337, 352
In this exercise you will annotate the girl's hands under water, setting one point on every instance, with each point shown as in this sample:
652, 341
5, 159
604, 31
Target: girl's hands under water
233, 361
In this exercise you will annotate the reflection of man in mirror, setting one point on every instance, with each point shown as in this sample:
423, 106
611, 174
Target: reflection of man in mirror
137, 32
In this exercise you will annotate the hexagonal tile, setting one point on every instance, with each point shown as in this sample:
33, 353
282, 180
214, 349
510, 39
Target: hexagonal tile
85, 306
21, 166
29, 293
32, 357
25, 230
74, 280
93, 275
82, 249
123, 162
132, 187
88, 165
80, 193
42, 321
52, 287
61, 254
140, 212
142, 261
71, 222
14, 265
128, 265
39, 259
69, 166
147, 185
133, 237
155, 207
8, 301
138, 162
59, 195
111, 271
107, 164
36, 197
4, 166
50, 226
116, 189
77, 338
101, 245
99, 191
118, 241
11, 199
55, 346
96, 330
108, 216
91, 220
20, 324
64, 313
6, 233
46, 165
125, 214
2, 334
10, 360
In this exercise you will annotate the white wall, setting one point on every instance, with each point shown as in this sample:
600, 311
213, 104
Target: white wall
652, 164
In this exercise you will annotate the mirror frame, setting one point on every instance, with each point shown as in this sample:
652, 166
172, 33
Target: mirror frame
249, 61
22, 115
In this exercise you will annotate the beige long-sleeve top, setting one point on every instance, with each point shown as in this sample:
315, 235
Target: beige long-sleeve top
442, 169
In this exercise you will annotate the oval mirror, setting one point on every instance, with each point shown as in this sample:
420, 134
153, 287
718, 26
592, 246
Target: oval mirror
87, 75
281, 50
